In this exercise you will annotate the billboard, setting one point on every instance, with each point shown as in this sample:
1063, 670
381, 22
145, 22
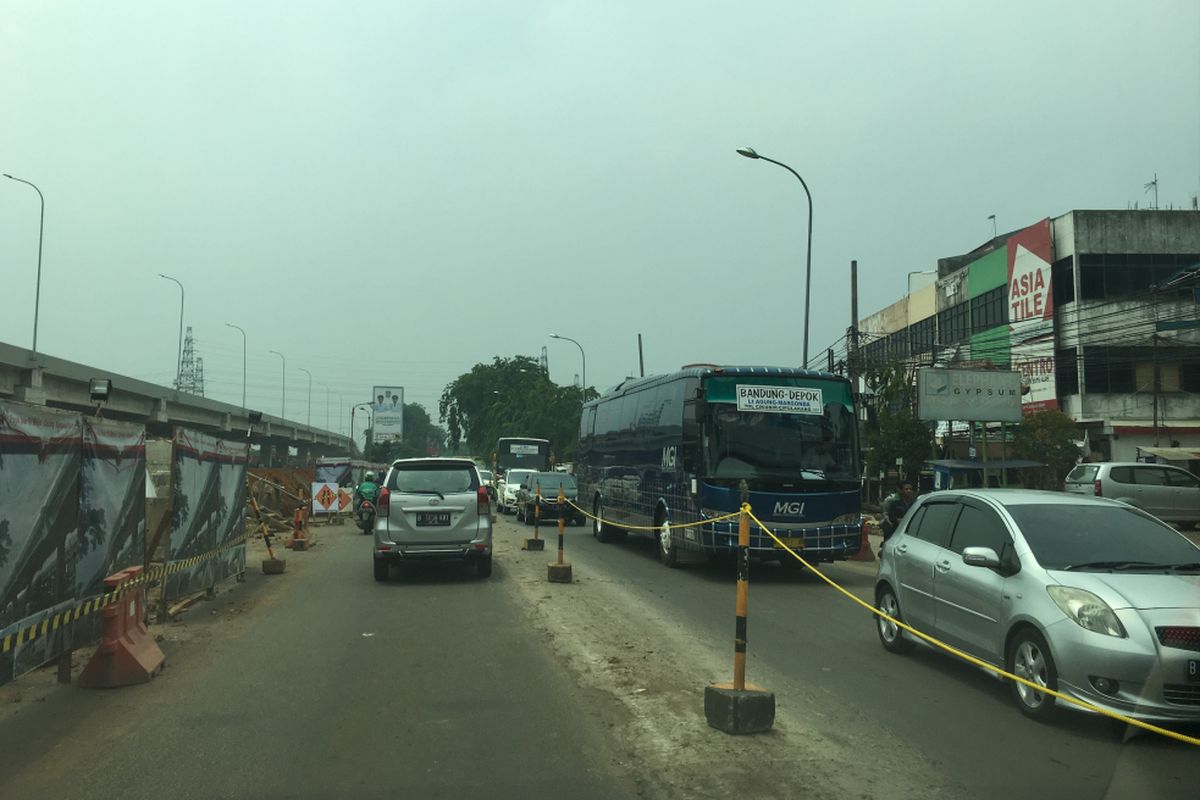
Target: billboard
1031, 315
387, 413
970, 395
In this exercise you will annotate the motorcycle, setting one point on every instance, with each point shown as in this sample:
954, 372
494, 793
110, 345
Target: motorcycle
366, 516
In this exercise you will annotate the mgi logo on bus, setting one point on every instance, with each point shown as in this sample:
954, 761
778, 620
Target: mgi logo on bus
780, 399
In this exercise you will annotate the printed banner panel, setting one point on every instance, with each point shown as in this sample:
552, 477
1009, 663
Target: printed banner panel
112, 504
1031, 315
207, 510
39, 514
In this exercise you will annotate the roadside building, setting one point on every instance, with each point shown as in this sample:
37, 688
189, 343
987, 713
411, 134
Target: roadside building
1097, 309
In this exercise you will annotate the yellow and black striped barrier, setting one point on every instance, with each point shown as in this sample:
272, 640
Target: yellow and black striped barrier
94, 604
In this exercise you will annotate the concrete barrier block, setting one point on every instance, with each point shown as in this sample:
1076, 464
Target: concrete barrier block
749, 710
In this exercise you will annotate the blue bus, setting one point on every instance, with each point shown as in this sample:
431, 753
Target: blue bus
672, 449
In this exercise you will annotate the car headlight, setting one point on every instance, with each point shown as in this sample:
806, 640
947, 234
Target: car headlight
848, 519
1087, 610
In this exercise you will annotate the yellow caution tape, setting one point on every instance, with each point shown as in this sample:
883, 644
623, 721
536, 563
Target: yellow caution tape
92, 605
625, 527
972, 659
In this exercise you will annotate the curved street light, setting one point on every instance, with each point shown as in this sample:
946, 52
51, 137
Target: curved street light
749, 152
283, 391
179, 359
37, 292
231, 325
352, 410
581, 355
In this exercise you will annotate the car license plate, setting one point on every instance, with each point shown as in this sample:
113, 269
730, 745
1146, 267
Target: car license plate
1193, 670
794, 542
433, 517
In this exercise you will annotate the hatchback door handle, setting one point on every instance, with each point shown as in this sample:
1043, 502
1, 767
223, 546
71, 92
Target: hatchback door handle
943, 566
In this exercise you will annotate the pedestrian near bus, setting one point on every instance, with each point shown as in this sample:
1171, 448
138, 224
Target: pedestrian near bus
895, 506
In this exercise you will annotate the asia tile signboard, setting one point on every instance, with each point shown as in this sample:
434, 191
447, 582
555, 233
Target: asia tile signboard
1031, 315
970, 395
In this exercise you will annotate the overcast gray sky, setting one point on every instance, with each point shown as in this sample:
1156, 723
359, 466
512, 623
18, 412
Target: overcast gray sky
392, 192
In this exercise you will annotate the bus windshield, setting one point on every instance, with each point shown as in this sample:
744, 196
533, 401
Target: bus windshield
775, 446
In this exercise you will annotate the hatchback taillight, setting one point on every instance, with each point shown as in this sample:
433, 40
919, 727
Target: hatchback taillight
485, 501
1096, 488
382, 503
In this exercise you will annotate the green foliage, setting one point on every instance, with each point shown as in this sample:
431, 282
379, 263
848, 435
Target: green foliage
511, 397
894, 432
421, 438
898, 435
1048, 437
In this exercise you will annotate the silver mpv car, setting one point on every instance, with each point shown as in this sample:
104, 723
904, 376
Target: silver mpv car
1086, 596
430, 509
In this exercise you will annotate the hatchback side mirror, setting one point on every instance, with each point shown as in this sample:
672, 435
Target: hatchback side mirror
980, 557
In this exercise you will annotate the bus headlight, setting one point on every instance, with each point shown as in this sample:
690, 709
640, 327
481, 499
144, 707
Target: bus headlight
848, 519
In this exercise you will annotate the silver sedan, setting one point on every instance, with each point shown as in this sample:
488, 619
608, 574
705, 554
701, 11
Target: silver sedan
1085, 596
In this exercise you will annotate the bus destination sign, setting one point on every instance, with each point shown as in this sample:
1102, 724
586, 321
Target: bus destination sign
779, 399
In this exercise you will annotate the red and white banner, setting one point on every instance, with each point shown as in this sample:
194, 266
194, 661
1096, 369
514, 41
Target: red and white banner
1031, 315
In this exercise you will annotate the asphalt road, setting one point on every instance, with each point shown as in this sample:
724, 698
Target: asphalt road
326, 684
820, 654
322, 683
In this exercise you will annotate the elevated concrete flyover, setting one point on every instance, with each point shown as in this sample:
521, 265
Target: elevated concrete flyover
54, 382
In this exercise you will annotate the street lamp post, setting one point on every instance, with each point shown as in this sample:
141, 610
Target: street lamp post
179, 357
308, 421
231, 325
352, 410
283, 391
749, 152
581, 355
326, 405
37, 292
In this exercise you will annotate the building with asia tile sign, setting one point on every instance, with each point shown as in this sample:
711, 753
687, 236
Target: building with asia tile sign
1094, 308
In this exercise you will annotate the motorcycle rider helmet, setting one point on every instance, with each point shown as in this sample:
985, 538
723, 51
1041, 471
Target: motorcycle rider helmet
370, 476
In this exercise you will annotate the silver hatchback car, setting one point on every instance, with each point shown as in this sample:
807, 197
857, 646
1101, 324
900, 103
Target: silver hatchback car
1169, 493
1085, 596
430, 509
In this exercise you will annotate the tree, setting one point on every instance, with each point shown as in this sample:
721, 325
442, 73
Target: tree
1049, 437
421, 438
898, 435
894, 431
511, 397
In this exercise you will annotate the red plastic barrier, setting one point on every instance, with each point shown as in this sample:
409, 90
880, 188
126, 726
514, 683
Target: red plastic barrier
127, 653
865, 553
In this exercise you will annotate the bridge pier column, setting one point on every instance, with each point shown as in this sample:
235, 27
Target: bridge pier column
29, 389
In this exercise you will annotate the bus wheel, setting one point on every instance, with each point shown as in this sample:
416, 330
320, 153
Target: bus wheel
601, 529
668, 552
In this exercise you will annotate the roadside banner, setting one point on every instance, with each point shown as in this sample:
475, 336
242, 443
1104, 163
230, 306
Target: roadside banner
324, 498
39, 515
387, 413
112, 498
207, 511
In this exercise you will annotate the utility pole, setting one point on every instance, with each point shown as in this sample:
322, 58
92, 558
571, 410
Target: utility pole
852, 365
641, 360
1154, 350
